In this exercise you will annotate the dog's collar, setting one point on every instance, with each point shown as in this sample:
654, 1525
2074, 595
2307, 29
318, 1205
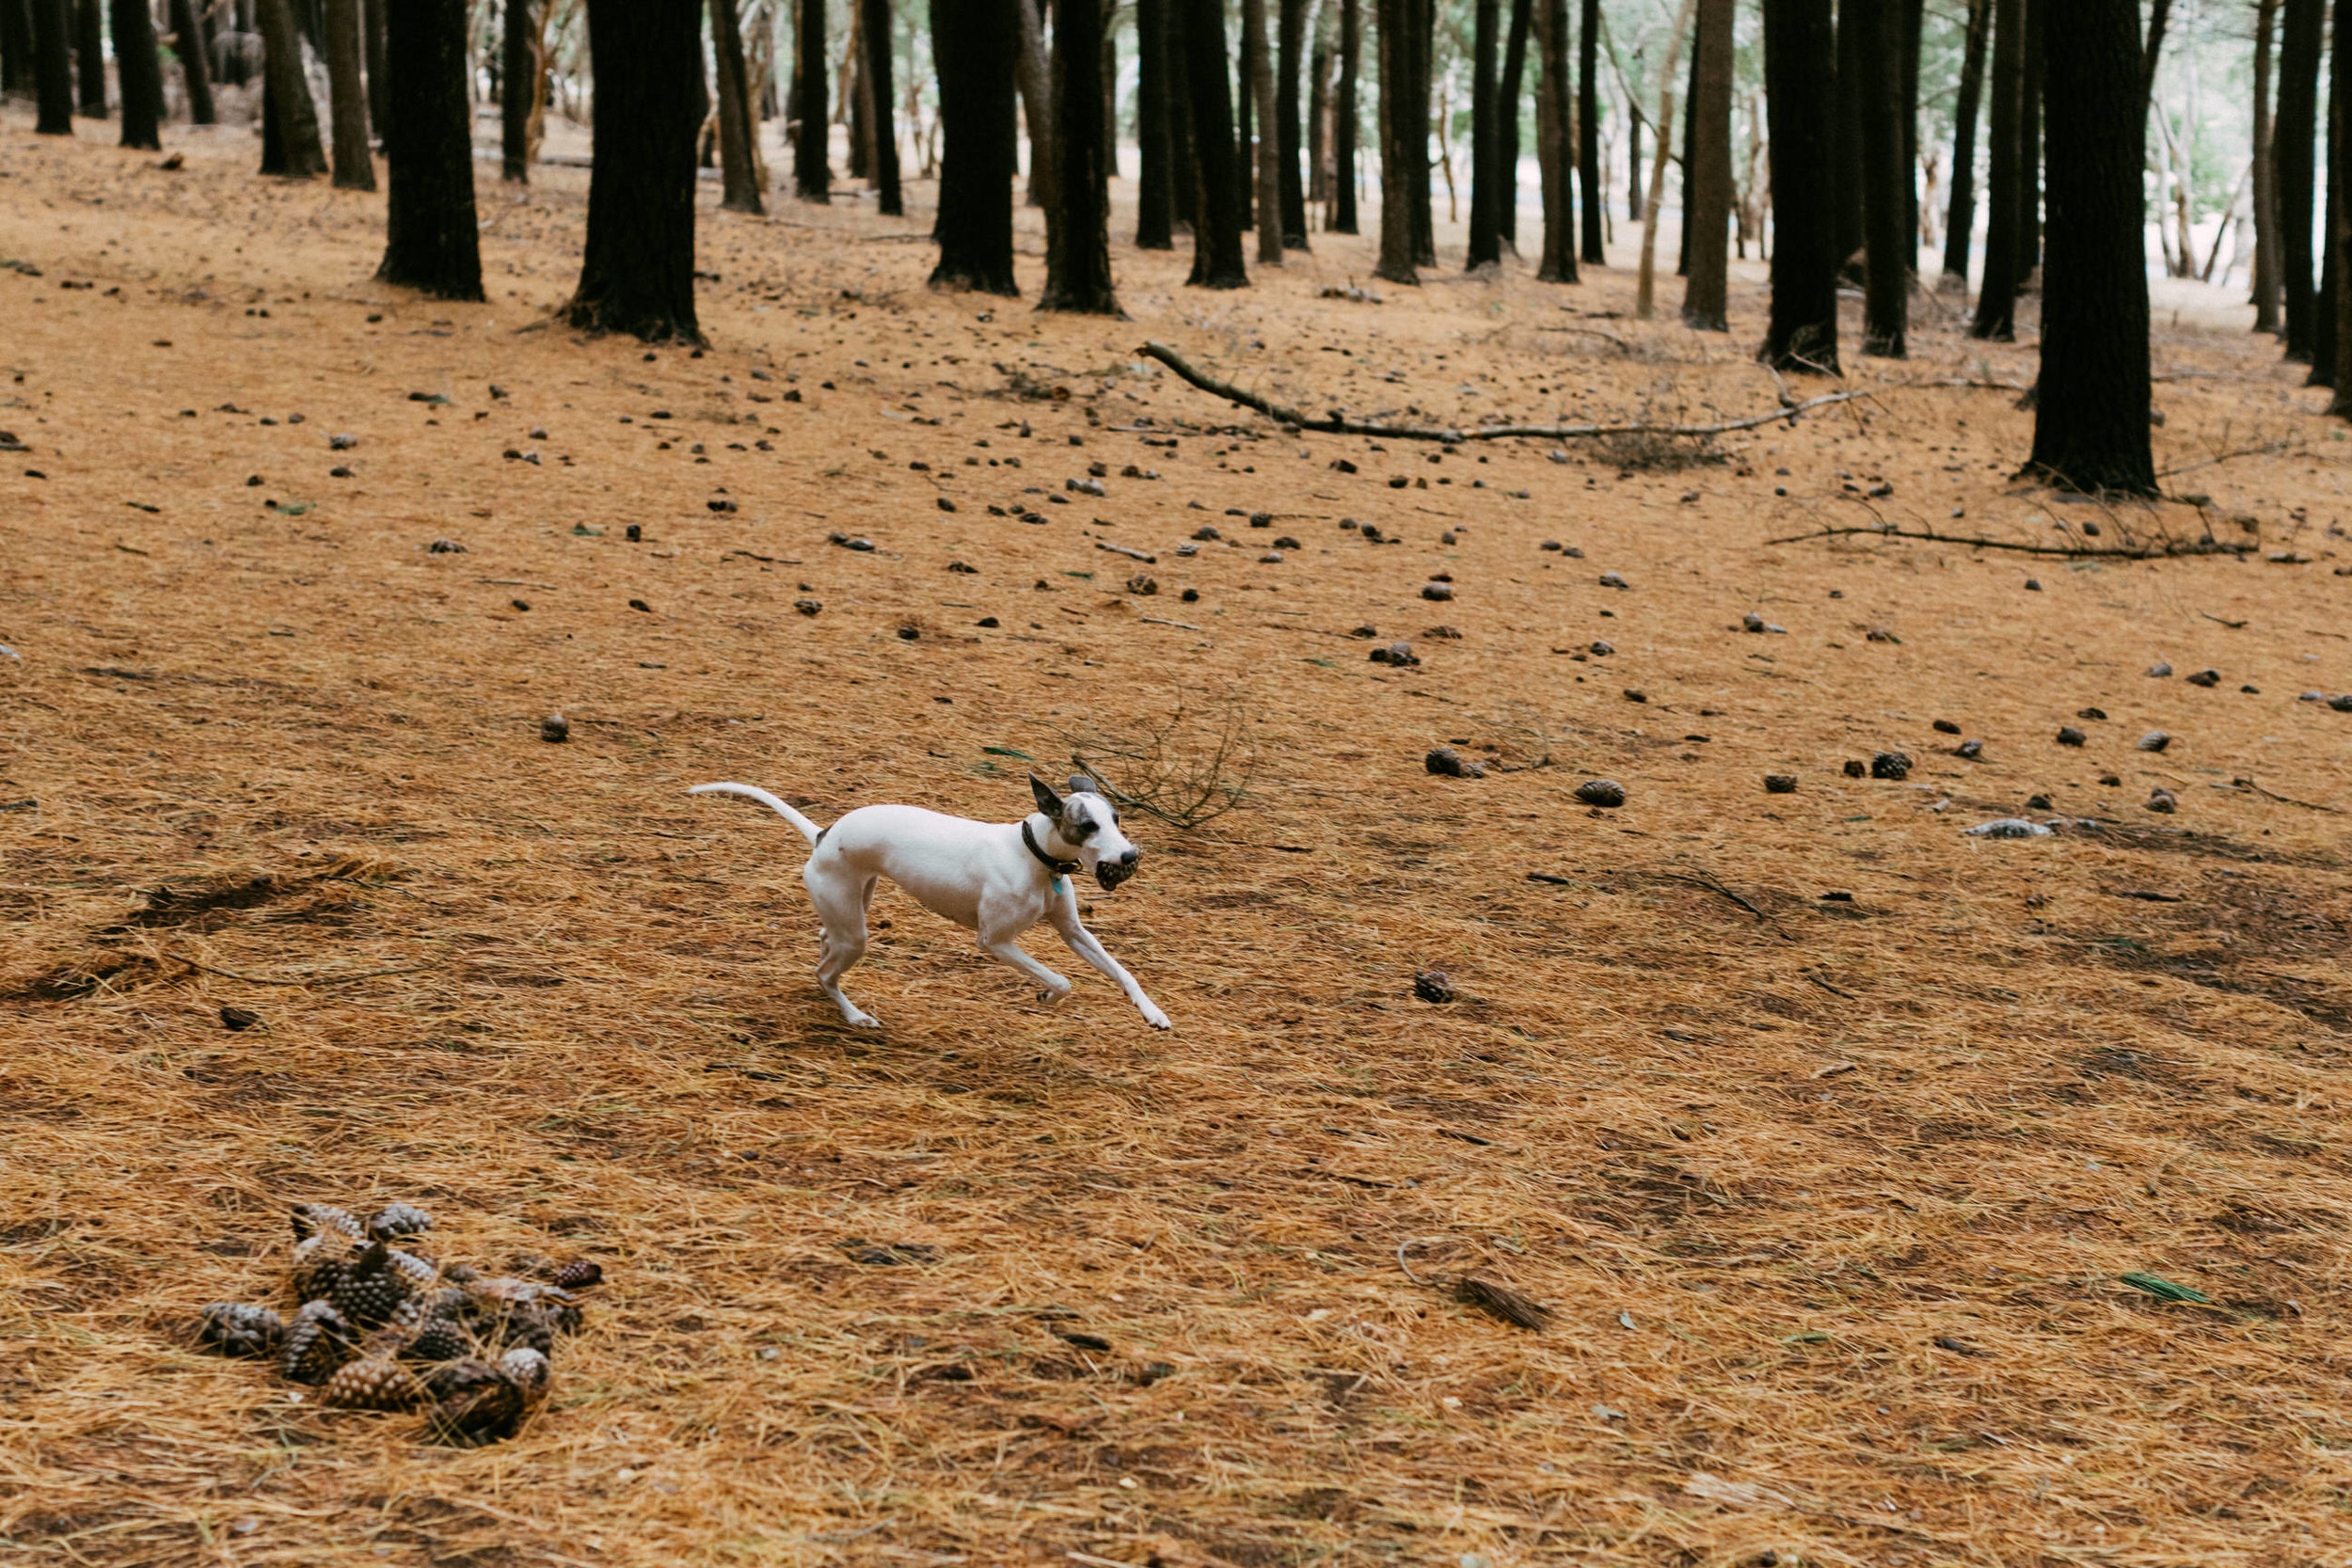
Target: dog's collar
1059, 868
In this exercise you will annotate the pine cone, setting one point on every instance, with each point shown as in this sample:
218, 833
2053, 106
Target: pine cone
233, 1328
477, 1403
580, 1276
429, 1306
398, 1219
317, 1341
319, 1262
372, 1382
420, 1271
439, 1341
317, 1219
372, 1289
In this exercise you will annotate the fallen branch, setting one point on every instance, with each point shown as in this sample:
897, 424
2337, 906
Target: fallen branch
2284, 799
1338, 424
1147, 559
2268, 448
2071, 552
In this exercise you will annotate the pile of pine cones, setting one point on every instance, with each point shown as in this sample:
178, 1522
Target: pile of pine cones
379, 1326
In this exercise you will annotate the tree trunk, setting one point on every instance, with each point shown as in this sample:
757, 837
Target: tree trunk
637, 275
739, 169
2338, 302
1555, 116
858, 97
2265, 176
1588, 130
1078, 224
2294, 160
1155, 199
1424, 36
812, 169
1319, 119
1961, 217
347, 100
1706, 301
1344, 117
431, 241
2091, 420
189, 44
876, 23
1216, 253
974, 46
1513, 86
1887, 258
1401, 118
2029, 151
520, 72
17, 72
90, 56
1245, 120
1907, 105
379, 77
1269, 149
1183, 170
1847, 191
1485, 222
294, 150
140, 72
1289, 60
1682, 160
2332, 255
1646, 281
1037, 99
1799, 98
1997, 291
53, 65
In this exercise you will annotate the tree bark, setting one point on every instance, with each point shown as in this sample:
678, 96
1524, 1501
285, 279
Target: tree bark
812, 171
2295, 159
53, 65
2332, 280
1345, 118
1155, 198
879, 28
188, 41
1555, 103
1847, 189
1319, 118
1646, 281
1800, 95
520, 71
347, 100
17, 72
637, 275
1997, 291
2091, 420
1289, 60
1183, 170
2264, 175
1588, 129
294, 150
2029, 152
1033, 74
1960, 218
90, 57
2338, 304
1245, 120
431, 241
1216, 252
2159, 12
1269, 147
140, 72
738, 169
1512, 87
1887, 258
379, 77
974, 46
1486, 221
1425, 35
1682, 160
1400, 114
1706, 301
1078, 224
1907, 105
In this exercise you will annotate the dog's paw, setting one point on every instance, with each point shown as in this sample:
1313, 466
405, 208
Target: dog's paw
864, 1020
1157, 1019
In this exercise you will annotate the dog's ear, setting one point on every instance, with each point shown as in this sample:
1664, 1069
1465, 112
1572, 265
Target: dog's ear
1047, 802
1081, 784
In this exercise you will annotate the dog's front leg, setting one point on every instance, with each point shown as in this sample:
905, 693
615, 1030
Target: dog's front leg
999, 940
1082, 941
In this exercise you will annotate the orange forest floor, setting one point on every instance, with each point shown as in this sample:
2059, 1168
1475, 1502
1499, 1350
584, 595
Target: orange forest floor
1823, 1130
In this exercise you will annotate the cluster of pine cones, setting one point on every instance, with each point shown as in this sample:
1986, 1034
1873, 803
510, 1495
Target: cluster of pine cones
380, 1327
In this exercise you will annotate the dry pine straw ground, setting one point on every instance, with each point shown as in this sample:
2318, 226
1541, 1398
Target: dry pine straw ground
1829, 1196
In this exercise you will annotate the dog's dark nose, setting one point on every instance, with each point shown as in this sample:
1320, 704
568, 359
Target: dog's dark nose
1131, 857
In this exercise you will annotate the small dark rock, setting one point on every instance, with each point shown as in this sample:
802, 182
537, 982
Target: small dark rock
1856, 769
555, 729
1601, 792
1440, 592
1614, 580
236, 1019
1972, 750
986, 621
808, 606
1890, 765
2091, 713
1780, 784
945, 504
635, 533
2159, 669
1431, 985
1602, 650
641, 605
2161, 799
2154, 740
2038, 803
2205, 678
910, 632
1207, 531
1633, 696
1142, 585
1945, 726
1446, 762
1365, 631
445, 546
2033, 585
2069, 736
1880, 634
2340, 704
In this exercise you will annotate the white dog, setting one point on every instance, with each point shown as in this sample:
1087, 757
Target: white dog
997, 879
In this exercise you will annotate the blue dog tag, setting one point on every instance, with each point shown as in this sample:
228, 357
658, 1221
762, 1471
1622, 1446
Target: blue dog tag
1061, 884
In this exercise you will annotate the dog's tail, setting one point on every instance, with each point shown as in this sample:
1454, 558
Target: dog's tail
809, 830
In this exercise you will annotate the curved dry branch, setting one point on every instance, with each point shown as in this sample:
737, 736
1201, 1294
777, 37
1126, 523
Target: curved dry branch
2071, 552
1338, 424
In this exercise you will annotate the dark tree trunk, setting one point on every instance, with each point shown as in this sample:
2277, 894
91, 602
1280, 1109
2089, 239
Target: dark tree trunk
2295, 157
1037, 96
1260, 86
520, 72
1682, 158
1485, 223
1184, 171
812, 172
861, 100
2029, 152
2332, 255
1706, 301
2091, 422
637, 275
1799, 77
1909, 106
1847, 190
379, 77
1961, 217
1319, 122
738, 160
53, 65
876, 23
16, 73
1078, 224
1289, 59
90, 56
1401, 118
1633, 159
1511, 92
1217, 255
1886, 270
1555, 99
1424, 41
188, 41
2339, 300
290, 146
1997, 291
2265, 178
1155, 198
973, 46
1245, 122
347, 103
1588, 129
1345, 118
431, 241
140, 72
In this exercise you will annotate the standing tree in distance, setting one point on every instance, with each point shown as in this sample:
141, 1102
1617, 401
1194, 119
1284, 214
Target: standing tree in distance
90, 56
1588, 131
1216, 253
430, 240
1889, 252
1996, 288
53, 65
1485, 215
1554, 112
1345, 114
1645, 279
1511, 87
1078, 224
1290, 48
347, 100
973, 45
1706, 294
874, 18
520, 72
16, 47
190, 46
1800, 67
2264, 174
812, 172
738, 159
139, 70
2296, 136
1961, 218
1155, 197
637, 273
1401, 119
2090, 417
1259, 84
290, 128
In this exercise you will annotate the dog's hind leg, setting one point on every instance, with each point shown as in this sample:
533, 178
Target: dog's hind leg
841, 914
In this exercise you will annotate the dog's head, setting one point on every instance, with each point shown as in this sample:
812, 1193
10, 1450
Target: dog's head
1087, 825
